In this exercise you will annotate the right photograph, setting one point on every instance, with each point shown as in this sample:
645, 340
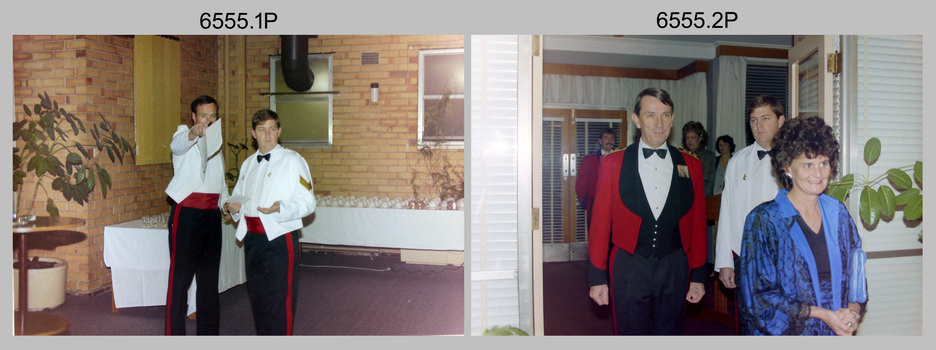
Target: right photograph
695, 185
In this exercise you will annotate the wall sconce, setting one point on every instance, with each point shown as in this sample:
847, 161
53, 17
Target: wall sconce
373, 92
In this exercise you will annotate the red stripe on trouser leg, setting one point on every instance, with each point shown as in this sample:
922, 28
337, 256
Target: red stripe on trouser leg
172, 260
289, 282
614, 250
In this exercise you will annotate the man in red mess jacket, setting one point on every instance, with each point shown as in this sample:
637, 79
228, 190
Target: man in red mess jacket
650, 208
588, 171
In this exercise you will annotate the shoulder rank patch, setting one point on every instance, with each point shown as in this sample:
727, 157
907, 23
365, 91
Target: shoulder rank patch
304, 183
683, 150
615, 150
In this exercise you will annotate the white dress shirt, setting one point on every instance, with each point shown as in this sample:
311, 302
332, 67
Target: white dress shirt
187, 175
285, 178
656, 174
749, 181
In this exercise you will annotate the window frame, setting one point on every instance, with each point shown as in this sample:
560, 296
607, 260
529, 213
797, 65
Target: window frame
324, 95
422, 98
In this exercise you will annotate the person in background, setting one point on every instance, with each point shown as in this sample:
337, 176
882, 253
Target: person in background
646, 243
276, 187
588, 171
801, 269
195, 224
726, 147
694, 140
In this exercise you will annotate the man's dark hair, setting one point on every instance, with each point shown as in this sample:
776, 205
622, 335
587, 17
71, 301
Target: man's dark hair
762, 101
202, 100
660, 94
606, 131
262, 116
803, 136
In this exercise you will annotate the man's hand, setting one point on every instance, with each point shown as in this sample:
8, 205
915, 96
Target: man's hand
599, 294
696, 292
197, 130
232, 207
272, 209
726, 276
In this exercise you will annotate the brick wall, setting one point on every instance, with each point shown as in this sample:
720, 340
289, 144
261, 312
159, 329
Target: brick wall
374, 145
87, 75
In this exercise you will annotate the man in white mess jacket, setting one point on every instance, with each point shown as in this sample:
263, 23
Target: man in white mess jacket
195, 222
276, 189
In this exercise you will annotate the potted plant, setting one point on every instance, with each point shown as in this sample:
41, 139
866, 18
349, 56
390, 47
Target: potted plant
48, 153
45, 135
882, 202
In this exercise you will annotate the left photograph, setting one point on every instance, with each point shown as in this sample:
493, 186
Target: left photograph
238, 184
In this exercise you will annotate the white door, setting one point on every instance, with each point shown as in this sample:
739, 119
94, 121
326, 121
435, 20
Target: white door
810, 79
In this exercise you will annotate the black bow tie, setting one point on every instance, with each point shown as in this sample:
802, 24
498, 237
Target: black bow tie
660, 152
261, 158
761, 154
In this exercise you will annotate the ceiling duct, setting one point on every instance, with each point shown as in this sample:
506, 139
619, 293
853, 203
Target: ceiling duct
295, 62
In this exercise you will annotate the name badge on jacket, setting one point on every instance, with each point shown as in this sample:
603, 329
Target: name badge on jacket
683, 171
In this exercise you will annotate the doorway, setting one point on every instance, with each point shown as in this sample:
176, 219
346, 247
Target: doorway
568, 136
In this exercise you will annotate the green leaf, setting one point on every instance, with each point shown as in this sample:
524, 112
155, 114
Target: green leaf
17, 160
904, 197
26, 109
840, 189
914, 208
900, 179
66, 191
58, 184
80, 176
888, 201
18, 176
73, 158
51, 208
90, 180
918, 172
104, 126
869, 206
82, 150
110, 153
872, 150
80, 123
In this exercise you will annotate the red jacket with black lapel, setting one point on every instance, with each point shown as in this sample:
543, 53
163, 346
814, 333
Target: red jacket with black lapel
618, 211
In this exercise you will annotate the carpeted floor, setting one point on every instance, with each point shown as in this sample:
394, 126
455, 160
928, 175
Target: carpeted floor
338, 295
567, 309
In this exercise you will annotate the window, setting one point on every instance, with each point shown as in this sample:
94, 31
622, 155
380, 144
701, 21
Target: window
764, 80
442, 97
307, 113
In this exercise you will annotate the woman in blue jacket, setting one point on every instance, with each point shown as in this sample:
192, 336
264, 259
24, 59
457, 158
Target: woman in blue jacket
802, 267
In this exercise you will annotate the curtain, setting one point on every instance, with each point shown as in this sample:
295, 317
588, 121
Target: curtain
730, 104
571, 91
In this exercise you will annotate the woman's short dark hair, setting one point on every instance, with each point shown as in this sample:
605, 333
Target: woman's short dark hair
803, 136
697, 128
203, 100
262, 116
728, 140
660, 94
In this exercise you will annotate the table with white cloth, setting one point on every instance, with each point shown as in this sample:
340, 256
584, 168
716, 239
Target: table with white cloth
387, 228
139, 261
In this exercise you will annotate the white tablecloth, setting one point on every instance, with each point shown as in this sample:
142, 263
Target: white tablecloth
387, 228
139, 262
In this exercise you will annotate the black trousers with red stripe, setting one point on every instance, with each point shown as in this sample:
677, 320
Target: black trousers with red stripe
194, 250
648, 295
272, 268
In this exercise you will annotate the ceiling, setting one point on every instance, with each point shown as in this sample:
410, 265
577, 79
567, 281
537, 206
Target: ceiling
666, 52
